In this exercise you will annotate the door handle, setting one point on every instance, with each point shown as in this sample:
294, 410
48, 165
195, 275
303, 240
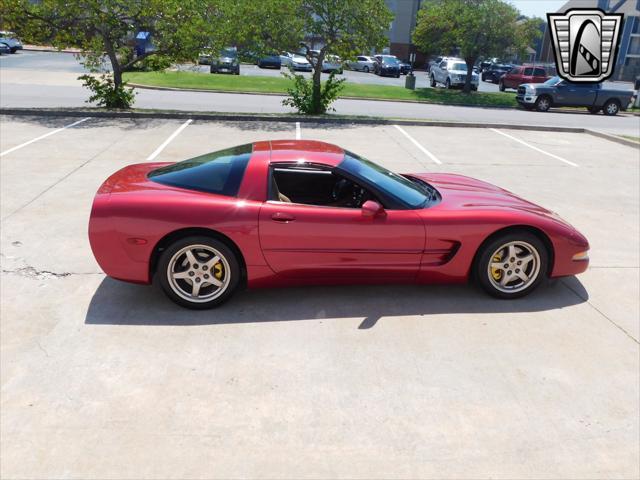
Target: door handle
282, 217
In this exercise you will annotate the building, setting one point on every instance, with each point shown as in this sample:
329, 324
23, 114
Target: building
628, 65
405, 14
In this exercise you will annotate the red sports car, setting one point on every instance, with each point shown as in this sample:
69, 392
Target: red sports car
307, 212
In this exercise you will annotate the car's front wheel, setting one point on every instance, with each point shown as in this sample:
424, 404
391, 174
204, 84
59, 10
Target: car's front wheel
511, 265
501, 86
543, 104
198, 272
366, 69
433, 82
447, 84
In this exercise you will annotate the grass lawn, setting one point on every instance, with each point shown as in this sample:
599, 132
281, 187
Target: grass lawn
233, 83
631, 137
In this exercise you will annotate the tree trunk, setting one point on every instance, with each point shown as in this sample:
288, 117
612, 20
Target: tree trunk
316, 94
470, 63
116, 68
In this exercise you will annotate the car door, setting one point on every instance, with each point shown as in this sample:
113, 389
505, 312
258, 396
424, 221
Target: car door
441, 72
576, 94
340, 243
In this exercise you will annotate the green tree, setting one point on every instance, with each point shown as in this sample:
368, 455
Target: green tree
107, 28
477, 28
341, 27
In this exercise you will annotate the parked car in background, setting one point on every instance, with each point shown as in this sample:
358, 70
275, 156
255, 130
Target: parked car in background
295, 61
271, 60
557, 92
452, 73
11, 41
437, 61
226, 62
405, 68
332, 63
387, 66
4, 48
495, 72
523, 74
362, 63
205, 56
487, 63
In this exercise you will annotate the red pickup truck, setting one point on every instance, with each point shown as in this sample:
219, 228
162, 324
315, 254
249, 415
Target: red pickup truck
523, 74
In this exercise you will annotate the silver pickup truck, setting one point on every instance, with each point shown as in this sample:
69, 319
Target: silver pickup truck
557, 92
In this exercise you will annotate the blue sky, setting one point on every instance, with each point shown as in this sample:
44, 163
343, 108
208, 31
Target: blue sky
537, 8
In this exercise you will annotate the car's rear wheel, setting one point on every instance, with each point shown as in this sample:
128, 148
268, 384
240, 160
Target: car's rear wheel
511, 265
611, 108
447, 84
433, 82
366, 69
198, 272
501, 86
543, 103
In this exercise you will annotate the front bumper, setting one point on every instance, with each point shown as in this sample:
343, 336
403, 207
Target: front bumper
526, 98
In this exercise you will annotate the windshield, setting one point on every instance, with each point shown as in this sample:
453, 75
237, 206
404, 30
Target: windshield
390, 60
396, 186
553, 81
227, 52
459, 66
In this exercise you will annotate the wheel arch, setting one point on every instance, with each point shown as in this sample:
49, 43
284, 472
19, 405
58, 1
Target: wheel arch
176, 235
541, 235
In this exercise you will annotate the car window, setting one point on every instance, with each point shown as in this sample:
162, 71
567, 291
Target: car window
539, 72
528, 71
217, 172
394, 185
362, 59
443, 64
458, 66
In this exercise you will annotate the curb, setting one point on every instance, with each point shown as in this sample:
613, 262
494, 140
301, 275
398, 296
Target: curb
36, 48
292, 118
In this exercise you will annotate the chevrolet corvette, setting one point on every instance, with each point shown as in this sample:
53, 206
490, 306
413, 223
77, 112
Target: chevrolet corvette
277, 213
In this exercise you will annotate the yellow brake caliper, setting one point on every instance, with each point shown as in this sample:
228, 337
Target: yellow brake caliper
496, 273
218, 270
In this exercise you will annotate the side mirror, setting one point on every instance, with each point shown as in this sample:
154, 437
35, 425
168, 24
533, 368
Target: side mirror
371, 208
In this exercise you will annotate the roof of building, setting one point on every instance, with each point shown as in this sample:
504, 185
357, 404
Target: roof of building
628, 7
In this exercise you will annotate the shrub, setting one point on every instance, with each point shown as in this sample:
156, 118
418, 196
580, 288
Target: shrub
106, 93
305, 99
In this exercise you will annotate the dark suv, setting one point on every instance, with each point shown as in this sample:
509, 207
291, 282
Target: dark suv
387, 66
493, 73
523, 74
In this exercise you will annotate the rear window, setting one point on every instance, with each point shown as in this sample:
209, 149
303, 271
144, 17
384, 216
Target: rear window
218, 172
539, 72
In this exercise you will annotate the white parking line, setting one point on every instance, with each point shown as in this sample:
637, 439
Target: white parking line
298, 131
43, 136
535, 148
420, 147
168, 140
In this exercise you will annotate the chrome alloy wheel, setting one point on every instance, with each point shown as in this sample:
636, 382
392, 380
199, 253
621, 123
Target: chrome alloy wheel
198, 273
514, 267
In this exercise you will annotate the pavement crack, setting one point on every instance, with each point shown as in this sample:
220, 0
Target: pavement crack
586, 300
30, 272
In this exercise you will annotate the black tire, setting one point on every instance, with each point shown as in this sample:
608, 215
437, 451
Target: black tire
484, 77
484, 275
433, 82
366, 69
226, 255
14, 50
593, 110
237, 71
501, 86
398, 76
611, 108
543, 103
447, 84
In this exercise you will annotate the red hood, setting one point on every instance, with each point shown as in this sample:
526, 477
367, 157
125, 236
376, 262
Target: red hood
460, 192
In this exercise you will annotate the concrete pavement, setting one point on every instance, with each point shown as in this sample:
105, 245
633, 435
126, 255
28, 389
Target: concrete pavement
102, 379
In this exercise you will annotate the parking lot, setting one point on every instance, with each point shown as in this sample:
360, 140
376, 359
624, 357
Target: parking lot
103, 379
